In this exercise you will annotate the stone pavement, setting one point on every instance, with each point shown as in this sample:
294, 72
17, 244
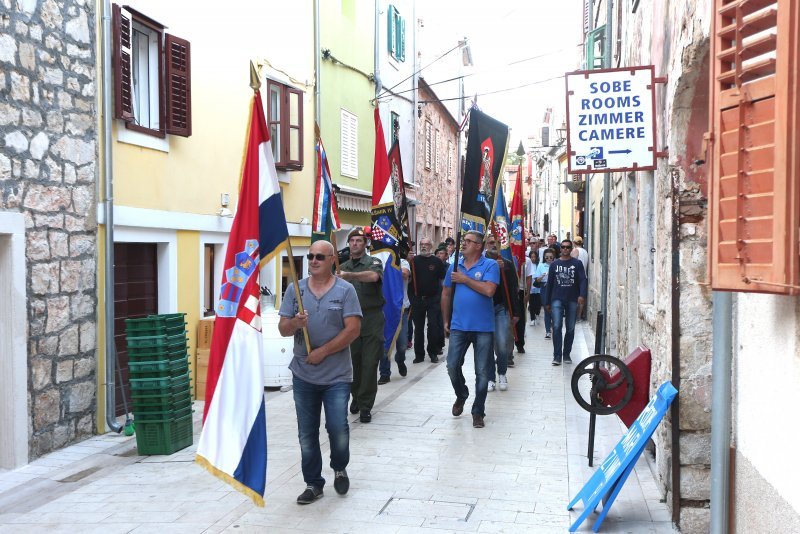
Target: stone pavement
415, 468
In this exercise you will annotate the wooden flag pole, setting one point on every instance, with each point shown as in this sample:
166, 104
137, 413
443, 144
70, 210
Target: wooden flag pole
297, 295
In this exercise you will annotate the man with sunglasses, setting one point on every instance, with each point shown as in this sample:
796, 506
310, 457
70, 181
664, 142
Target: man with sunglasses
564, 293
322, 377
366, 274
471, 288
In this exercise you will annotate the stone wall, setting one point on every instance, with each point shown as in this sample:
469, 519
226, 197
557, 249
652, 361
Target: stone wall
436, 193
48, 153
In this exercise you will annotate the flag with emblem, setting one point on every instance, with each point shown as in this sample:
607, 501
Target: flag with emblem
486, 154
500, 224
389, 229
326, 213
517, 227
233, 442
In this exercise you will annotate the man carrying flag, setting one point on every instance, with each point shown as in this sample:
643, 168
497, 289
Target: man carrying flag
524, 264
233, 442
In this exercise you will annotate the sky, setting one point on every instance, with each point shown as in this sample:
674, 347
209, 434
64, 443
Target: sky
504, 36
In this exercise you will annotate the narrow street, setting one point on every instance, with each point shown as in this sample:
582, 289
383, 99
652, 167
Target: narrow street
415, 468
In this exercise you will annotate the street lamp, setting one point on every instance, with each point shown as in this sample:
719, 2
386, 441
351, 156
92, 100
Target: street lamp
561, 133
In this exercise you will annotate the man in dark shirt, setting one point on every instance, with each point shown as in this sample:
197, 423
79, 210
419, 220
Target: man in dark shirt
504, 319
564, 293
425, 295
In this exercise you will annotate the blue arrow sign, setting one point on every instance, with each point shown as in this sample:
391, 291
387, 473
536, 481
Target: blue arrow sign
626, 151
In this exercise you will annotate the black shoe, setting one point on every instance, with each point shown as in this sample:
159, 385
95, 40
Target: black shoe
383, 380
354, 407
511, 362
401, 367
567, 359
366, 416
434, 359
521, 349
341, 483
440, 352
556, 363
477, 421
418, 360
310, 495
458, 407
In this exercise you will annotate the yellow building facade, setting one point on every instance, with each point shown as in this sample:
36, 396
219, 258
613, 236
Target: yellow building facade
174, 195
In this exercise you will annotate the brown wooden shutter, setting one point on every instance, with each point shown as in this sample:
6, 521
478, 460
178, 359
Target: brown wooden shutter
753, 208
121, 63
178, 86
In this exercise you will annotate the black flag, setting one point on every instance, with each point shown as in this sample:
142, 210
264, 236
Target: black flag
486, 155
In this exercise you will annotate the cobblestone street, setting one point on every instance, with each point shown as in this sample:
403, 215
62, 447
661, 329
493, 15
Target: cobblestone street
415, 468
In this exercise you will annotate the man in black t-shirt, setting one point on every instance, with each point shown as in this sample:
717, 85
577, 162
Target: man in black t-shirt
425, 294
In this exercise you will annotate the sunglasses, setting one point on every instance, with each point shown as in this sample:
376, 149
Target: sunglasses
470, 241
566, 246
318, 257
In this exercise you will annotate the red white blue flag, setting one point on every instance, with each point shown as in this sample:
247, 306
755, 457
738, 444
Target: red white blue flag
233, 443
326, 213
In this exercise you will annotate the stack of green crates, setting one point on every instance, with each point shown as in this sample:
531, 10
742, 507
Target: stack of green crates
160, 387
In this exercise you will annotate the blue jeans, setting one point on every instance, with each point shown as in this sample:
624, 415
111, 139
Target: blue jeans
482, 345
548, 321
502, 341
399, 347
563, 310
308, 401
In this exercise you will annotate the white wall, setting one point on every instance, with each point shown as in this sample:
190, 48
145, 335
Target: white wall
767, 384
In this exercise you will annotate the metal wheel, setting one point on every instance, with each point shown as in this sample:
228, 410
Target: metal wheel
599, 368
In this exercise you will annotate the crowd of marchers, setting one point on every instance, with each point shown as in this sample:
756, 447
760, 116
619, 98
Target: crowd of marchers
471, 298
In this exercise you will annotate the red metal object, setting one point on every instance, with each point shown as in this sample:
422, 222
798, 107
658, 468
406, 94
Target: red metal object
638, 362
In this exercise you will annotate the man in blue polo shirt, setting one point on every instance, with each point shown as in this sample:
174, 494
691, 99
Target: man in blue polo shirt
470, 289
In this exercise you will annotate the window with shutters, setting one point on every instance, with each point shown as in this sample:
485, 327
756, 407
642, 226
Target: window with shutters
428, 144
349, 140
396, 34
595, 48
755, 164
152, 76
285, 121
436, 153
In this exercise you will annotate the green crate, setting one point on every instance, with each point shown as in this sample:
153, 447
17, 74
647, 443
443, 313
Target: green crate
161, 415
133, 330
157, 342
167, 320
161, 401
153, 355
173, 384
158, 368
163, 437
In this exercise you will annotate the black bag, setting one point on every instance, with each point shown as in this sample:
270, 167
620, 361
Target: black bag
538, 283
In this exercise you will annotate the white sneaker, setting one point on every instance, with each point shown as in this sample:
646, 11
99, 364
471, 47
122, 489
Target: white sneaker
491, 385
533, 322
502, 382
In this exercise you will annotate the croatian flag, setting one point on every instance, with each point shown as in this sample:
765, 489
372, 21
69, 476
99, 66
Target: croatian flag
326, 214
389, 229
233, 443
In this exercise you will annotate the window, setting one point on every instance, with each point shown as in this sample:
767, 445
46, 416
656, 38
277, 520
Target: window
397, 34
349, 139
436, 152
152, 96
428, 144
595, 48
395, 126
450, 159
285, 121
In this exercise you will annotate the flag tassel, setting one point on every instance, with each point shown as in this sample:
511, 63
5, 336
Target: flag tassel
257, 499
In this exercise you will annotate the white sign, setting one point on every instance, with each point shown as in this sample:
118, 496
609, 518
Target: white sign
611, 123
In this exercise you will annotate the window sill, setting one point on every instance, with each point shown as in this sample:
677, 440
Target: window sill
124, 135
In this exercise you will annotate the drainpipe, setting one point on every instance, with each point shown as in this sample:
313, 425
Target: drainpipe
317, 66
108, 209
722, 355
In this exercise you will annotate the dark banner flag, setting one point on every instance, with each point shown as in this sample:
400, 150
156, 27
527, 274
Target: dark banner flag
486, 154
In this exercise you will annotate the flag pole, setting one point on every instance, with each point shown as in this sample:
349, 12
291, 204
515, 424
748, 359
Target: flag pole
493, 232
255, 85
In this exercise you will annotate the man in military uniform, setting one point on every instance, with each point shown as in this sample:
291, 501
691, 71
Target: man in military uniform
366, 275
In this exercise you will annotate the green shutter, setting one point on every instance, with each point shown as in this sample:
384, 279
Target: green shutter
595, 48
392, 33
401, 42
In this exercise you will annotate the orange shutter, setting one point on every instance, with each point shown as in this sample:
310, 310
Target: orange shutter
753, 208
